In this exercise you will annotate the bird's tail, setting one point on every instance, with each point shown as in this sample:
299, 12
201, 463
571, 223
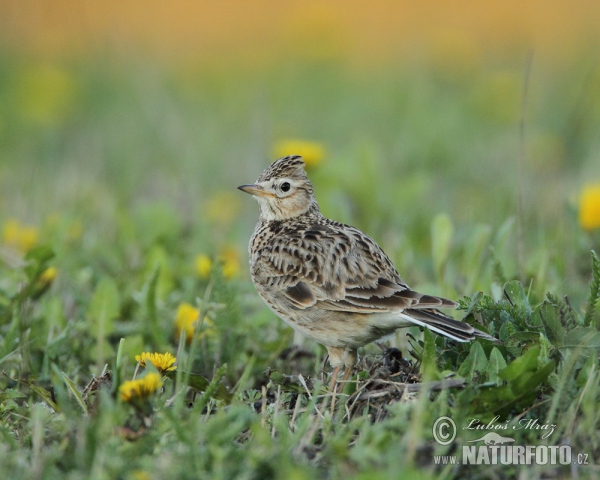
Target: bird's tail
437, 322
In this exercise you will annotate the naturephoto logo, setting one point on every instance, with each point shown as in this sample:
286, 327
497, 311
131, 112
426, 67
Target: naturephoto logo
497, 447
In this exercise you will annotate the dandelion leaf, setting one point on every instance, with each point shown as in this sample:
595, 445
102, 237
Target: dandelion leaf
550, 317
516, 295
475, 364
496, 363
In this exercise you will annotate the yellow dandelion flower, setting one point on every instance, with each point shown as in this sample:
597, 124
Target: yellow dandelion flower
186, 320
162, 361
11, 232
19, 236
203, 266
29, 238
139, 475
589, 207
48, 275
141, 388
311, 152
230, 262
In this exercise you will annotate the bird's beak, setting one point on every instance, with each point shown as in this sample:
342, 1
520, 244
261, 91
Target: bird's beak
254, 189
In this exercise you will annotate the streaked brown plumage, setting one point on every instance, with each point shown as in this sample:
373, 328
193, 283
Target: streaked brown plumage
328, 280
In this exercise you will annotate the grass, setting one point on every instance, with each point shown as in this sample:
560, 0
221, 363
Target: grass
126, 172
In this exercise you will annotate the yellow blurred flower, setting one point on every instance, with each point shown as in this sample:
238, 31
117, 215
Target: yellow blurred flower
186, 320
48, 275
46, 94
589, 207
19, 236
162, 361
311, 152
75, 231
230, 262
139, 475
140, 388
203, 266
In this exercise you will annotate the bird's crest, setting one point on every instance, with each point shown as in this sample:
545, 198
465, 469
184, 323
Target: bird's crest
291, 166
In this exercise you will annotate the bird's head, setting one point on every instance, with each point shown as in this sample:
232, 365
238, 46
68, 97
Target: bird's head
283, 190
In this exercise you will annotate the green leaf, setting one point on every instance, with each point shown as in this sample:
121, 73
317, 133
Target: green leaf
495, 364
519, 340
11, 393
201, 384
73, 389
591, 365
441, 239
524, 337
104, 307
508, 326
513, 346
550, 317
37, 258
523, 377
149, 292
546, 348
475, 363
45, 394
158, 258
40, 254
516, 295
589, 319
475, 299
147, 298
428, 359
526, 383
525, 363
118, 363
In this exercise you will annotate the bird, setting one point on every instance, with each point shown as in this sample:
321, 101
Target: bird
328, 280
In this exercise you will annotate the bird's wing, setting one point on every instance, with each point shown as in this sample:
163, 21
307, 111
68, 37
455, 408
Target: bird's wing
336, 267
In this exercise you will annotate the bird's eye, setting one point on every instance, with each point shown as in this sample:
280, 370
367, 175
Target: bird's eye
285, 186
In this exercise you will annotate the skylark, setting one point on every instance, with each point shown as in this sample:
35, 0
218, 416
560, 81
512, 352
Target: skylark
328, 280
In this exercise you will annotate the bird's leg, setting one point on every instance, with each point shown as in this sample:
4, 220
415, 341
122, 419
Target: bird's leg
334, 375
333, 389
336, 355
350, 358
